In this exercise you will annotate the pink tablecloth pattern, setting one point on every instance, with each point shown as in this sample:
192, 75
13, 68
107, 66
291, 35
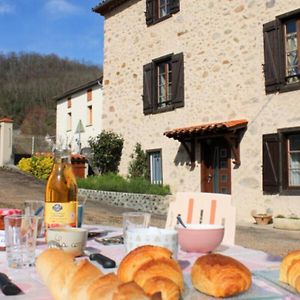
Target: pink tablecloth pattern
256, 261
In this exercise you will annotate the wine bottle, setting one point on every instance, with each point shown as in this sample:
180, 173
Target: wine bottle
61, 193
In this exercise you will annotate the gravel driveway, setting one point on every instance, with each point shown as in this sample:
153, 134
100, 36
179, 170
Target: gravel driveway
15, 187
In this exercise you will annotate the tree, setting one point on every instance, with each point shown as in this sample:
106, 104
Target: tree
107, 151
138, 166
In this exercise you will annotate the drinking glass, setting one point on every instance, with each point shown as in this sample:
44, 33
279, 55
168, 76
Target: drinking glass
36, 208
133, 220
20, 240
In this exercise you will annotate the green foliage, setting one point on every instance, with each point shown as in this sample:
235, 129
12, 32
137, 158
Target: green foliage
138, 166
107, 148
29, 81
38, 166
116, 183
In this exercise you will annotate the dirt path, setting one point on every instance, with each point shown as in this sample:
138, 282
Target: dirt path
15, 187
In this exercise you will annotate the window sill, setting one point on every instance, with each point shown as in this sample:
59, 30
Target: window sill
289, 87
290, 192
160, 20
164, 109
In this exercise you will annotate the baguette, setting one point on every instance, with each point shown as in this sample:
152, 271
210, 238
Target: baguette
70, 280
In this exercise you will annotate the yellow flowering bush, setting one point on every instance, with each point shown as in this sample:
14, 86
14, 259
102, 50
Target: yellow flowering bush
38, 166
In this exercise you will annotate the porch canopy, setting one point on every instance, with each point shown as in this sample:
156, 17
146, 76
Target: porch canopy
232, 131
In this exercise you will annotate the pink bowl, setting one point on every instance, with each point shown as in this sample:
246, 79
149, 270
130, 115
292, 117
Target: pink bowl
200, 237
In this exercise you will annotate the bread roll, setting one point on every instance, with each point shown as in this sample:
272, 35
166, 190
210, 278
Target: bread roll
153, 269
220, 276
137, 257
68, 280
286, 264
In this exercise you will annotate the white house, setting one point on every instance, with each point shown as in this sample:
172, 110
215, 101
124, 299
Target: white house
78, 115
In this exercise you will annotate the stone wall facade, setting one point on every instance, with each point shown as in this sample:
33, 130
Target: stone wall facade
222, 42
148, 203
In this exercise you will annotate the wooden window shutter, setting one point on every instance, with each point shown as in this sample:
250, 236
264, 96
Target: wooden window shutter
177, 80
271, 161
148, 88
273, 53
174, 6
150, 11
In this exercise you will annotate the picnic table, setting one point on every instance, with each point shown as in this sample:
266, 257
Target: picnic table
264, 268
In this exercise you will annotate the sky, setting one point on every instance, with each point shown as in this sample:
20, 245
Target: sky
67, 28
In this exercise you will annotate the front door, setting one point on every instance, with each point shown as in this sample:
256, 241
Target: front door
215, 166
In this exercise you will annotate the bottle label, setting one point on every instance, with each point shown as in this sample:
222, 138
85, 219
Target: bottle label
57, 214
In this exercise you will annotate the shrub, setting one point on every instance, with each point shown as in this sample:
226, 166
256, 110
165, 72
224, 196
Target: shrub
116, 183
138, 166
38, 166
107, 148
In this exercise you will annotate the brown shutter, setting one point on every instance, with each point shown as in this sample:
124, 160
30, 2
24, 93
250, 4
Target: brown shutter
271, 159
148, 88
273, 52
177, 80
174, 6
150, 12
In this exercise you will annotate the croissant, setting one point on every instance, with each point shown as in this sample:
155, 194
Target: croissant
220, 276
153, 269
286, 264
70, 280
137, 257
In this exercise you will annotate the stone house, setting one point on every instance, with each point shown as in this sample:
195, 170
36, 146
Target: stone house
77, 112
211, 91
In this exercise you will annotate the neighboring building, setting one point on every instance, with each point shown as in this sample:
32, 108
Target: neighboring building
6, 133
211, 90
78, 115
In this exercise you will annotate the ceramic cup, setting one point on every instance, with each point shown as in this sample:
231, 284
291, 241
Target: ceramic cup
72, 240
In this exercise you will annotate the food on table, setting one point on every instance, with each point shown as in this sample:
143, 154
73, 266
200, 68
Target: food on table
220, 276
61, 193
290, 270
153, 269
70, 280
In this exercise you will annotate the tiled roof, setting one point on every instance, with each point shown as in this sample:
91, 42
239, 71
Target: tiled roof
6, 120
106, 6
206, 129
87, 85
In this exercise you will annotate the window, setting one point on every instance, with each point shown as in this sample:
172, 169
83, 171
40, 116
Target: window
89, 115
89, 95
158, 10
163, 84
69, 102
69, 122
155, 167
281, 50
281, 162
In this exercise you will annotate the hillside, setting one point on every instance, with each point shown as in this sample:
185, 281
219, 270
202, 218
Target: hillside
29, 81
